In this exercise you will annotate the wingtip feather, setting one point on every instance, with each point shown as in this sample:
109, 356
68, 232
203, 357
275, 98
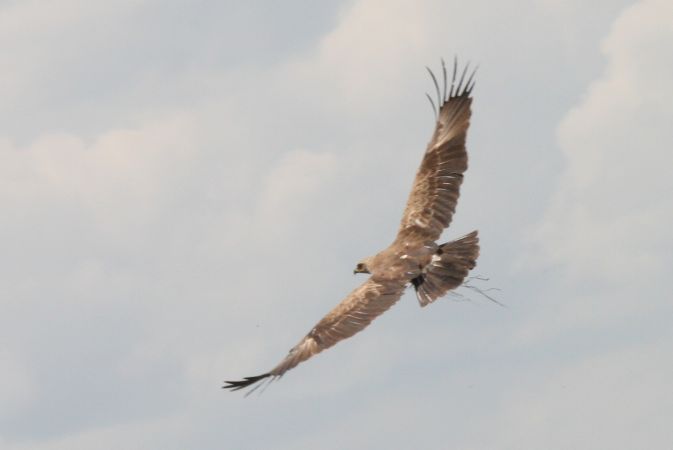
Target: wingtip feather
245, 382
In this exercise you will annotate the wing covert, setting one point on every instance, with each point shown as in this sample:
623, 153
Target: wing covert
353, 314
434, 195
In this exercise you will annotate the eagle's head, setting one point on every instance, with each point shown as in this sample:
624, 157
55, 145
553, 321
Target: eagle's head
363, 266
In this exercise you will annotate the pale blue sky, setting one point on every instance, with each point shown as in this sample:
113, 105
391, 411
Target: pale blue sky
186, 187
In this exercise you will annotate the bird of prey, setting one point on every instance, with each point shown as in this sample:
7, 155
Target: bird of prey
414, 258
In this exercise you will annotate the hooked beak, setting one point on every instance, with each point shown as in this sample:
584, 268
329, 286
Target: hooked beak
360, 270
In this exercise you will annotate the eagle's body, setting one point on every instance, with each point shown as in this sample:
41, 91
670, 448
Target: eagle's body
414, 258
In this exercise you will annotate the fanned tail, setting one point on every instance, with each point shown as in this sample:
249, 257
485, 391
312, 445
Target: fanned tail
448, 268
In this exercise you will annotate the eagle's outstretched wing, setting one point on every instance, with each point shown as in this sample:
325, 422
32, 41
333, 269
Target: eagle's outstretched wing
352, 315
436, 188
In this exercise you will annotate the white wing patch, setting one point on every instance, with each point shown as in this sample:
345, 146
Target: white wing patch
420, 224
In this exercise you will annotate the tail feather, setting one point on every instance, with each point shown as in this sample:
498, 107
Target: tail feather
448, 268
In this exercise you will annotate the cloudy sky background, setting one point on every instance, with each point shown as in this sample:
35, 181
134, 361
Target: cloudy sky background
185, 187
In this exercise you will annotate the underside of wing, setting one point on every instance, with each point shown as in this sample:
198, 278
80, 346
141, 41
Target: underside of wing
436, 188
352, 315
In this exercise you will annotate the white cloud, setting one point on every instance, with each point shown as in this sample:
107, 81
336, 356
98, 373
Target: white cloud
611, 216
360, 65
290, 187
120, 179
606, 237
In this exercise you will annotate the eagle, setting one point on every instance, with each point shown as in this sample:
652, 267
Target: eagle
414, 258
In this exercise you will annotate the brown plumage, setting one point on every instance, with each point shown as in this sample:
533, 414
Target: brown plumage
413, 258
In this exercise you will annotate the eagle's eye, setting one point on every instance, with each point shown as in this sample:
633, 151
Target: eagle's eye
360, 266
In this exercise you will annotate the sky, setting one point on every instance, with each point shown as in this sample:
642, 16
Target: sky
186, 186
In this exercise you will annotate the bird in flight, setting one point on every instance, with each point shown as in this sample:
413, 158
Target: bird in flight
414, 258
